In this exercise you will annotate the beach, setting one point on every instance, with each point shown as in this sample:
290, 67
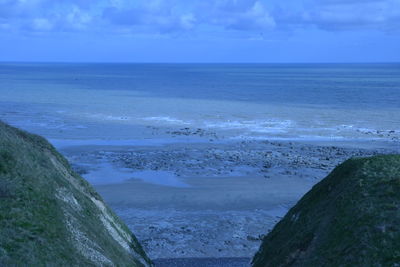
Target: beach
202, 160
227, 133
209, 199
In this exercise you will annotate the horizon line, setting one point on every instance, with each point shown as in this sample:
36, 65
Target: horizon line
194, 62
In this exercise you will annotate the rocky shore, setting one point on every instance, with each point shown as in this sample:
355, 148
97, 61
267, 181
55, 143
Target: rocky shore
260, 158
213, 198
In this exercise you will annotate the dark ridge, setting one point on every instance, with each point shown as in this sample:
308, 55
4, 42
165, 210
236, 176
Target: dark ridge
351, 218
50, 216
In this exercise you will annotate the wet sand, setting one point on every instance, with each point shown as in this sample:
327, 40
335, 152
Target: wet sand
213, 217
203, 262
209, 199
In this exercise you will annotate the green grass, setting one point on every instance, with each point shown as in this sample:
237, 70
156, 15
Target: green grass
33, 228
351, 218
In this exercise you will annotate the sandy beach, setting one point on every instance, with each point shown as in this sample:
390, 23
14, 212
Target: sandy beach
209, 199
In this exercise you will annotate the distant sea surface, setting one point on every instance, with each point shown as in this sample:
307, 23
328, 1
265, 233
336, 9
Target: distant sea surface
236, 101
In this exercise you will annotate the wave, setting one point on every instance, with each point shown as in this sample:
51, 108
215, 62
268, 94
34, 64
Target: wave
167, 119
109, 117
255, 126
269, 128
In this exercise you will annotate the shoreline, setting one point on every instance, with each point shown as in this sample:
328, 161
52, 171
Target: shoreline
234, 191
203, 262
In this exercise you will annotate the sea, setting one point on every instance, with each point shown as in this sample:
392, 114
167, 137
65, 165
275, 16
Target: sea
139, 103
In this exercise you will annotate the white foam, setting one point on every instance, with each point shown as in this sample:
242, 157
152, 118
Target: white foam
106, 117
303, 138
255, 126
117, 118
166, 119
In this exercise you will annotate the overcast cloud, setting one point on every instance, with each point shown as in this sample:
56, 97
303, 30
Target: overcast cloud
200, 30
197, 17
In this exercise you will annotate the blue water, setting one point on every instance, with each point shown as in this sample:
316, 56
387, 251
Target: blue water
334, 85
247, 100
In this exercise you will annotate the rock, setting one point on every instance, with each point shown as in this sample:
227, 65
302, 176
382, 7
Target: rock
350, 218
50, 216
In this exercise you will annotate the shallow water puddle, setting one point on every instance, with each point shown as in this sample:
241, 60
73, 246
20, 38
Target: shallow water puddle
160, 177
105, 173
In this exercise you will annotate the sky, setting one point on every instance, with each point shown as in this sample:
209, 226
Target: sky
259, 31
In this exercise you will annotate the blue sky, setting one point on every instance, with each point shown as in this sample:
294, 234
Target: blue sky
200, 30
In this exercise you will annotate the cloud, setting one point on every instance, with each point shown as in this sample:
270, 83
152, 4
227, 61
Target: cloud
196, 17
150, 16
240, 15
344, 15
45, 15
177, 16
147, 16
41, 24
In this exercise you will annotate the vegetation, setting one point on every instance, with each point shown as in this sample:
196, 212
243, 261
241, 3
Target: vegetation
351, 218
50, 216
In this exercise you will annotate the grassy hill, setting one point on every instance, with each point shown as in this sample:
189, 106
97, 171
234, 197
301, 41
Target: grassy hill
50, 216
351, 218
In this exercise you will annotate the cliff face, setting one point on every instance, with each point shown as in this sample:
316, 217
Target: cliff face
351, 218
50, 215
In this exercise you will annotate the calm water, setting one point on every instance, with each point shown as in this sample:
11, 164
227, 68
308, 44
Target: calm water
135, 101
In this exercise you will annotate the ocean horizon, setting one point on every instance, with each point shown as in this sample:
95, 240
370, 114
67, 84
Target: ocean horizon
250, 101
221, 133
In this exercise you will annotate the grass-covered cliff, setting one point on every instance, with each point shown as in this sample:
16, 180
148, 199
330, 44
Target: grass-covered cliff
50, 216
351, 218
